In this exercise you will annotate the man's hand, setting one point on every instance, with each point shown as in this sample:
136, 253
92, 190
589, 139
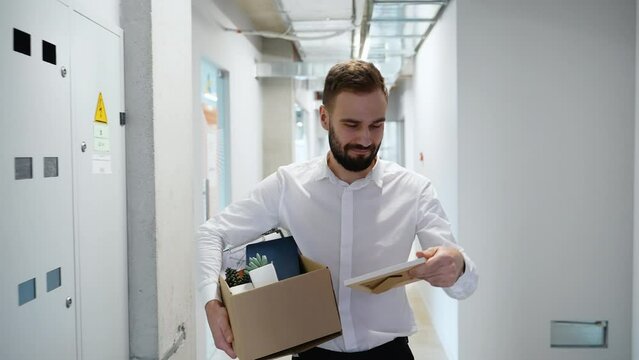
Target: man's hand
219, 323
444, 265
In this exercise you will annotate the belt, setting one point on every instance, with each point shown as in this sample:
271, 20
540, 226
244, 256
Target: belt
396, 349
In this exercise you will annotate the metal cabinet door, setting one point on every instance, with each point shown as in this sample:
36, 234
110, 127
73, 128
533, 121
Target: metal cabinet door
100, 190
36, 198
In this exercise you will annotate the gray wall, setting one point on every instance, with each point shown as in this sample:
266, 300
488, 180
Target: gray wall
546, 124
277, 108
159, 167
635, 297
278, 114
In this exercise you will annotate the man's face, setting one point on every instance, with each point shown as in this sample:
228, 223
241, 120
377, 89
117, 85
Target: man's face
355, 128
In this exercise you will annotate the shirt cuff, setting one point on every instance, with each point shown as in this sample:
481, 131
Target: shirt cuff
210, 292
467, 282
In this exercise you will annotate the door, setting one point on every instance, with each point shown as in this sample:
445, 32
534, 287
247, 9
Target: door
100, 189
214, 99
36, 221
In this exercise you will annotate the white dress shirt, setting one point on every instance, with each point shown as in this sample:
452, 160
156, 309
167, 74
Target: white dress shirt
353, 229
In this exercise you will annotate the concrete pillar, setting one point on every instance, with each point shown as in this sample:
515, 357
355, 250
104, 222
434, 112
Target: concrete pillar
157, 63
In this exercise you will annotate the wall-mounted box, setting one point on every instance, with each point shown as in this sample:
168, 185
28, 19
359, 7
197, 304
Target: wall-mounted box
579, 334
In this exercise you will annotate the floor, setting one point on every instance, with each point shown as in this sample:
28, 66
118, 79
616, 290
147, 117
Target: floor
424, 343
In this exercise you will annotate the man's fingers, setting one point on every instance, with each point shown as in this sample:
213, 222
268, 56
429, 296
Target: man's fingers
428, 253
226, 335
226, 332
223, 340
425, 270
223, 345
440, 269
220, 328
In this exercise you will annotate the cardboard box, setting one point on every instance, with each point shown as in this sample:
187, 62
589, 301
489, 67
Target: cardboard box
286, 317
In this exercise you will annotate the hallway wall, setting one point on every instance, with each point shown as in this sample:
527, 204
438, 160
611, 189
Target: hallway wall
278, 105
546, 124
278, 108
157, 61
237, 55
435, 136
544, 134
635, 287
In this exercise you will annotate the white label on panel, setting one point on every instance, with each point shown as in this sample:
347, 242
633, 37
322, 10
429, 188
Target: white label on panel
103, 145
102, 164
101, 141
100, 131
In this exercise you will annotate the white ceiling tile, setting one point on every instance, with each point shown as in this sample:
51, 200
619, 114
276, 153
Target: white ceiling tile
316, 10
321, 25
408, 11
343, 39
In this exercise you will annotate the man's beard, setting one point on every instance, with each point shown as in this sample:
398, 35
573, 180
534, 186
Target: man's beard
340, 153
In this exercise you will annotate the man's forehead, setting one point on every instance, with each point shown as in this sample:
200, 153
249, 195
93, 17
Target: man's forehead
349, 99
351, 92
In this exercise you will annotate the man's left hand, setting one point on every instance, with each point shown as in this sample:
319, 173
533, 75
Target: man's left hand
444, 265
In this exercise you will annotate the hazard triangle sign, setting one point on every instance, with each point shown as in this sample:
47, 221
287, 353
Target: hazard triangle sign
100, 111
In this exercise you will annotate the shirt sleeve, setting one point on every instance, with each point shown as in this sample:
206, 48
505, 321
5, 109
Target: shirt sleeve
433, 229
238, 224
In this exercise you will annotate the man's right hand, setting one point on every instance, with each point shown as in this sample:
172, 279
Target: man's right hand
219, 323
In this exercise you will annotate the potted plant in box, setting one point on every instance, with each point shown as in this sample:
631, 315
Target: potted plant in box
261, 271
238, 280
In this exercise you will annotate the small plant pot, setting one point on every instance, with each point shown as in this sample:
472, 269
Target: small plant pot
241, 288
263, 276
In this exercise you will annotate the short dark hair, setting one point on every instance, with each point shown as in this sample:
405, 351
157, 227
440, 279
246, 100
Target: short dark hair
356, 76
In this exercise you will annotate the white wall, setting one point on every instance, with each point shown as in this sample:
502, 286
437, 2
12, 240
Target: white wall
406, 108
435, 135
237, 55
173, 134
546, 124
635, 297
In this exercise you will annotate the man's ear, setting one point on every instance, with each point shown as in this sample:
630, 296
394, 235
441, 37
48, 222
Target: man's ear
324, 117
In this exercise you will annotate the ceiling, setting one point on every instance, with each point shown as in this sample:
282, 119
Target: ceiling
385, 32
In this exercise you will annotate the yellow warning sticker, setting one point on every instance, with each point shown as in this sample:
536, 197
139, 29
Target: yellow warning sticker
100, 111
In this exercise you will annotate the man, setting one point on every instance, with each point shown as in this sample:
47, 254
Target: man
353, 212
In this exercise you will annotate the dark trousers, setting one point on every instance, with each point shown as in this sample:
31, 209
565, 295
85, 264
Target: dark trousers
396, 349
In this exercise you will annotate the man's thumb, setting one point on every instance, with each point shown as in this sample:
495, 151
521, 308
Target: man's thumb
428, 253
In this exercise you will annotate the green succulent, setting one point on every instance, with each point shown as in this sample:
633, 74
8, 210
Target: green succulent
235, 277
256, 262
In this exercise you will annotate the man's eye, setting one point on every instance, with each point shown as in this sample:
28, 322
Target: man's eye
351, 125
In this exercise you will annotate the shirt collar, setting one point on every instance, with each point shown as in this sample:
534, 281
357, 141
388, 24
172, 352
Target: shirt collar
375, 175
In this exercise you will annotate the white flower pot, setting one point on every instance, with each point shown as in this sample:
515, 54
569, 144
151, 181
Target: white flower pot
263, 276
240, 288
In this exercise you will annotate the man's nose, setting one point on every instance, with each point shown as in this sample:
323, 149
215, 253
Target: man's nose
364, 138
